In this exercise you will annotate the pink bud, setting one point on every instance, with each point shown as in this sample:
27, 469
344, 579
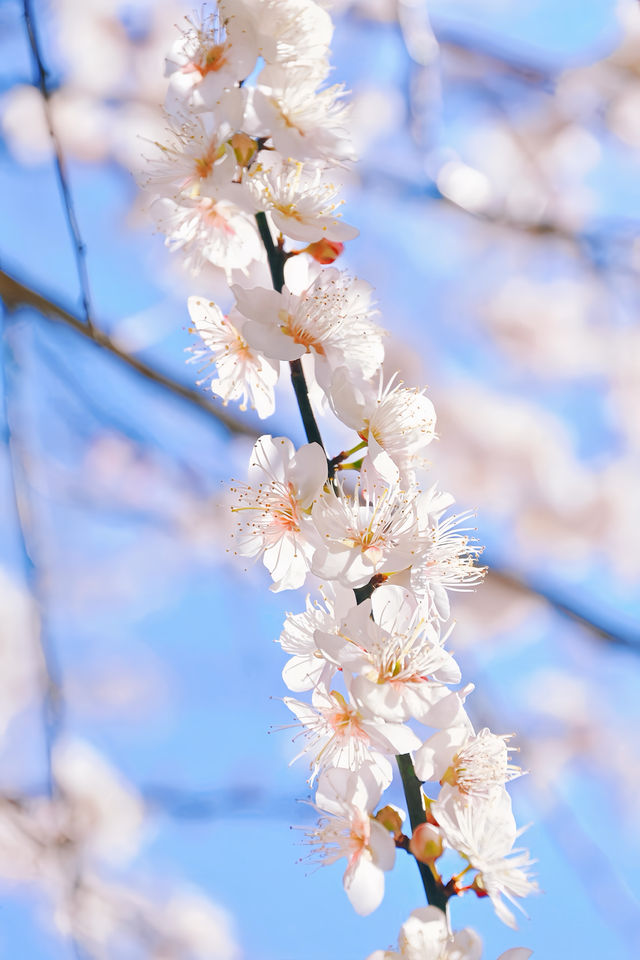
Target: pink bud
325, 251
390, 819
426, 843
244, 148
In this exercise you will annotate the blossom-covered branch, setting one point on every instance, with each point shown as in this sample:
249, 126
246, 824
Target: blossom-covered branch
249, 181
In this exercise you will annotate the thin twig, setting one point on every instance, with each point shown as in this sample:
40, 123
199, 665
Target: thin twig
595, 245
79, 248
628, 639
589, 244
15, 294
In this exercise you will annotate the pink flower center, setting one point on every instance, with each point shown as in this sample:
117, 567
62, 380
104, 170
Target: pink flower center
204, 164
345, 721
298, 334
358, 838
210, 60
284, 512
214, 218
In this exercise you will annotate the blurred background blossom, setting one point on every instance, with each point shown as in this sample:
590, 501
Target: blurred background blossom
144, 809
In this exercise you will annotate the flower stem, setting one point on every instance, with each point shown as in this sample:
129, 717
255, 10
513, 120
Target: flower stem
275, 255
302, 396
436, 894
276, 258
336, 463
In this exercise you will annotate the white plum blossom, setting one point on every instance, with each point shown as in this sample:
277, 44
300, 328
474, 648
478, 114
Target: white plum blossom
108, 919
242, 373
274, 507
450, 562
516, 953
484, 832
206, 61
307, 666
95, 805
338, 734
472, 828
394, 665
330, 319
397, 422
301, 200
506, 877
287, 32
303, 122
426, 936
367, 533
476, 764
348, 829
197, 152
207, 230
94, 816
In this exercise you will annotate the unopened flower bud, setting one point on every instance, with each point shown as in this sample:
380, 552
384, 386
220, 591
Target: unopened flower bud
324, 251
426, 843
391, 819
244, 147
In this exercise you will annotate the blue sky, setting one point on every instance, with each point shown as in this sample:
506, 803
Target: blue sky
127, 594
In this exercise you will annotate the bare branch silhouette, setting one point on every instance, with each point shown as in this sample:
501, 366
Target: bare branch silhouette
16, 294
79, 248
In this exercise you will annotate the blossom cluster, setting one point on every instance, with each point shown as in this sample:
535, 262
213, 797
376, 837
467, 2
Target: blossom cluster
248, 181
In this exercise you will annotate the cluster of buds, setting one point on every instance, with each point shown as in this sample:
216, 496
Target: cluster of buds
249, 182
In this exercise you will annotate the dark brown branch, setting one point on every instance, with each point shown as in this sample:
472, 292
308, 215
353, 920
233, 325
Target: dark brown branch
596, 246
627, 639
16, 294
